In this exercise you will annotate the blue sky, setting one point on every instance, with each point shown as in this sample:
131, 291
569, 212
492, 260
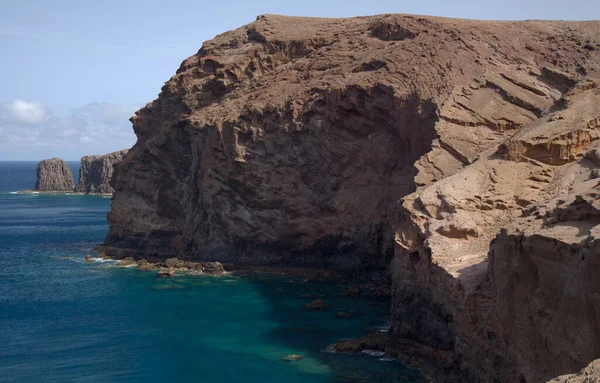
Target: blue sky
73, 72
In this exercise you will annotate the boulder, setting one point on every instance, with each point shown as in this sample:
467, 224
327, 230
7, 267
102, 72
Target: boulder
213, 267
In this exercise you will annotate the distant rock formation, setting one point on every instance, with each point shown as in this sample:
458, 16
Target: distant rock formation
96, 171
54, 175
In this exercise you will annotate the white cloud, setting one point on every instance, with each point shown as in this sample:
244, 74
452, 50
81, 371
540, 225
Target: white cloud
28, 126
24, 112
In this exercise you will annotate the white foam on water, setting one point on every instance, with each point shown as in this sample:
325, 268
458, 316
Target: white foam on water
373, 352
35, 192
102, 260
14, 193
387, 359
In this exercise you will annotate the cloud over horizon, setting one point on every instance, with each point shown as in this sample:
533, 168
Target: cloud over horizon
30, 130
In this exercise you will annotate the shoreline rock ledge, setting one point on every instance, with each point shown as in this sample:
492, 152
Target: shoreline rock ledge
54, 175
462, 155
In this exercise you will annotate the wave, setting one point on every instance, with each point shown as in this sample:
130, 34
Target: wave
387, 359
104, 260
13, 193
373, 352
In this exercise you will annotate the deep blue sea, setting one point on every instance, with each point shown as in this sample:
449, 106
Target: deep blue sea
64, 320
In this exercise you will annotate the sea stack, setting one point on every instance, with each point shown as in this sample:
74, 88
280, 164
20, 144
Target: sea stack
96, 171
54, 175
462, 152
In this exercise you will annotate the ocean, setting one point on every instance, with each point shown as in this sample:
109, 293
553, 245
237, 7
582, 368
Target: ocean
64, 320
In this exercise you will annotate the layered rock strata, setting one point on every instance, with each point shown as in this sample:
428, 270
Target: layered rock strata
53, 175
96, 172
291, 141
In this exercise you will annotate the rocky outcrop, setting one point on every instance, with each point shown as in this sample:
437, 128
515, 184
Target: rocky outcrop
96, 171
590, 374
291, 140
53, 175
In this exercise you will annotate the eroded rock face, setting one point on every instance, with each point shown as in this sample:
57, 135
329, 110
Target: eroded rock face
54, 175
291, 141
96, 172
499, 262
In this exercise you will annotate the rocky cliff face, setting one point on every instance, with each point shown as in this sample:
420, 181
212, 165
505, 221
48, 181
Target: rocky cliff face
291, 140
53, 175
96, 172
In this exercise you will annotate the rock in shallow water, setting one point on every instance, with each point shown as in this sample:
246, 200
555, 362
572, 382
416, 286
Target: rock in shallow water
291, 357
166, 273
318, 304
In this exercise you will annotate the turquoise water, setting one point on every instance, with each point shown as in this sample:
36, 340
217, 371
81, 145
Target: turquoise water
63, 320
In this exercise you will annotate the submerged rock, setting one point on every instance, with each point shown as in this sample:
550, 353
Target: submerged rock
291, 357
318, 304
345, 314
54, 175
350, 292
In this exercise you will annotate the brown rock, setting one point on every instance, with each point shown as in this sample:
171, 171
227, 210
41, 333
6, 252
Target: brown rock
96, 172
166, 273
174, 263
54, 175
89, 258
212, 267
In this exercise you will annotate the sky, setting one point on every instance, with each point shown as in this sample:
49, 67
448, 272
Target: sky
72, 73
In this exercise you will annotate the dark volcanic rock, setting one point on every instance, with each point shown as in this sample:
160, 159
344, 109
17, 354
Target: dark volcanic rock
96, 172
54, 175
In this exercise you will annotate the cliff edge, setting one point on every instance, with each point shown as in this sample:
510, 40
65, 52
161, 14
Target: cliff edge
291, 141
53, 175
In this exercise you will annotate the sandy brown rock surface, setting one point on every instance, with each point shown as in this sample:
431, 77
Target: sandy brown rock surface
590, 374
53, 175
291, 141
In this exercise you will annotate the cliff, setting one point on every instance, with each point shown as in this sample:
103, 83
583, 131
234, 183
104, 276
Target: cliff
53, 175
96, 172
291, 141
